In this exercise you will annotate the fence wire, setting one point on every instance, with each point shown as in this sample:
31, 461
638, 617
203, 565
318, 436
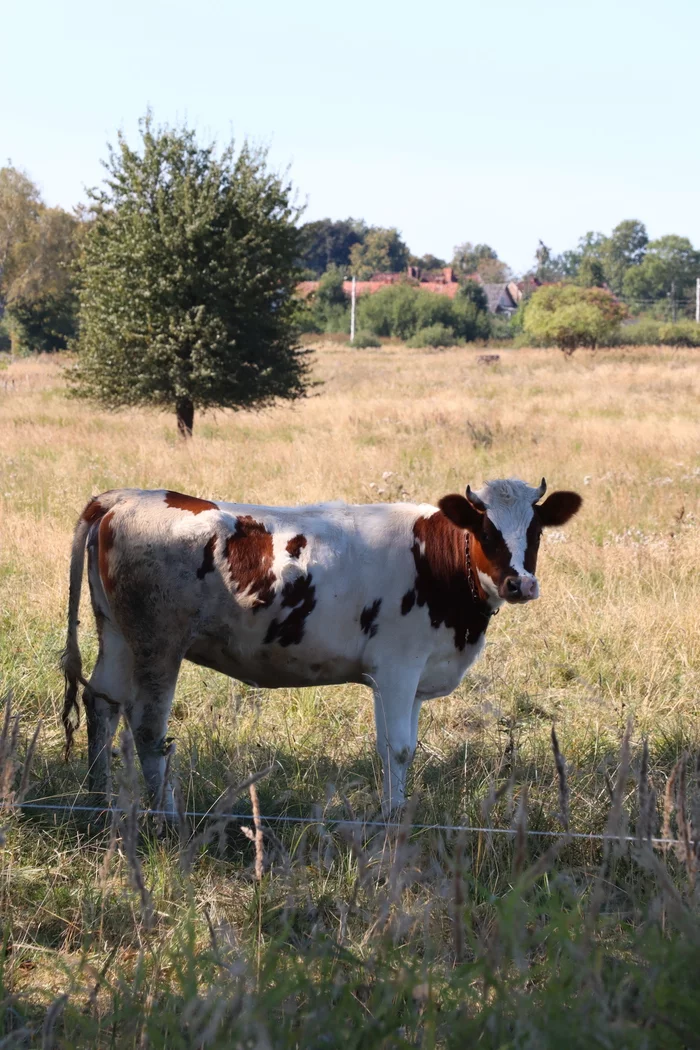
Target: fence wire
337, 822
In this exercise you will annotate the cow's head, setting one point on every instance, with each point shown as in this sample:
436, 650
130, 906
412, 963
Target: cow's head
506, 519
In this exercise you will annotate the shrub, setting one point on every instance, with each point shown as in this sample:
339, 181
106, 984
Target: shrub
568, 316
5, 338
393, 311
644, 332
682, 333
43, 325
502, 327
365, 340
647, 331
402, 310
328, 309
434, 335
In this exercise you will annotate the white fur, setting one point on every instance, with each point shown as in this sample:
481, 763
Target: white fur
509, 505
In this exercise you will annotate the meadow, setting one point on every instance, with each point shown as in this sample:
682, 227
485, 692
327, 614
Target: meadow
119, 933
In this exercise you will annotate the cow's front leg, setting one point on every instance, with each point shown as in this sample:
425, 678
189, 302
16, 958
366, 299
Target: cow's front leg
394, 699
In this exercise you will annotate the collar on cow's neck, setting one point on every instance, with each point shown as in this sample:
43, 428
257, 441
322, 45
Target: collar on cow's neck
475, 588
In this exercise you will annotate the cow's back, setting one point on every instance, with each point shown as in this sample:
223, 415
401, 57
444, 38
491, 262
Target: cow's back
271, 595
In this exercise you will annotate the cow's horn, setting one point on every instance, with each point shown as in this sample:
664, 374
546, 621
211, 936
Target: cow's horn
475, 501
541, 491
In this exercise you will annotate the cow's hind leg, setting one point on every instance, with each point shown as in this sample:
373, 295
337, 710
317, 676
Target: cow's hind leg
148, 718
109, 692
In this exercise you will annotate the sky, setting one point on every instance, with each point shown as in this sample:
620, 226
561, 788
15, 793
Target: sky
501, 122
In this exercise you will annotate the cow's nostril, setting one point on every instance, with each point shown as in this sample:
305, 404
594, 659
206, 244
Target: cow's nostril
513, 586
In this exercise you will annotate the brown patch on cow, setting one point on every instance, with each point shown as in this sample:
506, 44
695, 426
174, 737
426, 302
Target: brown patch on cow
296, 545
179, 501
249, 554
490, 555
105, 543
532, 539
368, 616
441, 579
300, 596
207, 558
93, 511
407, 602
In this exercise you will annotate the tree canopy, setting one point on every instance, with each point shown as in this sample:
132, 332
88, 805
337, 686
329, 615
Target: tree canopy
326, 242
188, 273
479, 259
37, 251
670, 267
381, 251
568, 316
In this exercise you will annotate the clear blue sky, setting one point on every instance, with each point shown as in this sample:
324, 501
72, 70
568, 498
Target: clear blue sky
501, 122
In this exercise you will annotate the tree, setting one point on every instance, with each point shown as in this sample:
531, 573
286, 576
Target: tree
624, 248
568, 316
426, 263
471, 258
472, 292
328, 243
37, 251
330, 305
20, 205
381, 251
188, 274
591, 273
669, 270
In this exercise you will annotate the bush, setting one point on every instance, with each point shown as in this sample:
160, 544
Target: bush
364, 341
328, 309
44, 325
502, 327
5, 338
567, 316
644, 332
400, 311
434, 335
682, 333
392, 311
647, 331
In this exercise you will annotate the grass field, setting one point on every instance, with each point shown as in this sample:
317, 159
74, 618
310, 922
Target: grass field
425, 940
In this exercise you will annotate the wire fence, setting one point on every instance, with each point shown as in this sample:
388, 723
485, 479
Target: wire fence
338, 822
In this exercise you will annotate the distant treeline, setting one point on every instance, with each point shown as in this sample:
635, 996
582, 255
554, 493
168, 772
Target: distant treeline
39, 247
656, 277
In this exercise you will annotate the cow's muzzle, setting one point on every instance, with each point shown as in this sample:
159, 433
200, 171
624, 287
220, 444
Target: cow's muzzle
518, 589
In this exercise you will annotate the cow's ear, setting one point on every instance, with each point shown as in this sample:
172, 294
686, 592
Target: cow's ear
558, 508
461, 512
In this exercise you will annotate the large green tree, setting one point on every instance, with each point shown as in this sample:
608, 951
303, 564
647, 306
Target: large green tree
481, 259
326, 242
568, 316
623, 249
668, 272
37, 251
381, 251
188, 273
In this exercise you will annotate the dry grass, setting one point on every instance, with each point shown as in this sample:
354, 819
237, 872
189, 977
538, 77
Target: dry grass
614, 636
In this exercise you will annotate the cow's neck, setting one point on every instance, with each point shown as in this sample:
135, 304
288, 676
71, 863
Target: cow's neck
481, 599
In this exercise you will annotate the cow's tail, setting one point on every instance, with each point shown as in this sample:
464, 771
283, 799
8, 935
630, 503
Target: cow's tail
71, 661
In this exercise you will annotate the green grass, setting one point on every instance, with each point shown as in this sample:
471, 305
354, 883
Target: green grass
365, 939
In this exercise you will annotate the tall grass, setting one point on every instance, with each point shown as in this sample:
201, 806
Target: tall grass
118, 932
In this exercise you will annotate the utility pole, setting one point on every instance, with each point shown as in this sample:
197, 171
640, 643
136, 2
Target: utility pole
673, 301
352, 309
697, 300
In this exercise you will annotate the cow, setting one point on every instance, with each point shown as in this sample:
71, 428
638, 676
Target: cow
397, 596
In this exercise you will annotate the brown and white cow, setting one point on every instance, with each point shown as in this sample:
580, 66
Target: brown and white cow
396, 596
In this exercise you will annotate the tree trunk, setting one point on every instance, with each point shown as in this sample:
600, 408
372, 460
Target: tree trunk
185, 417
